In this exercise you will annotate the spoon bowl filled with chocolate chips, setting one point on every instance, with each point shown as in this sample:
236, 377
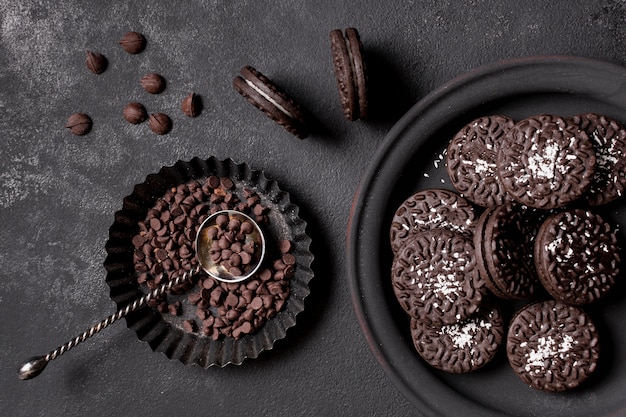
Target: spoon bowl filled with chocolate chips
230, 246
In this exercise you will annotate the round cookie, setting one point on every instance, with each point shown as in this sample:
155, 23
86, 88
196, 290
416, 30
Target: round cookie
546, 162
431, 209
461, 347
435, 277
609, 142
577, 256
552, 346
471, 160
504, 241
350, 72
266, 96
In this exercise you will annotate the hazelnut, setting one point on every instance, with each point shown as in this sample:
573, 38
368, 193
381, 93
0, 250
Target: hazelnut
135, 113
153, 83
133, 42
191, 105
96, 62
79, 124
160, 123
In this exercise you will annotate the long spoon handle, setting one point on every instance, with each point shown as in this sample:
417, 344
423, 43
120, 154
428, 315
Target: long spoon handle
35, 365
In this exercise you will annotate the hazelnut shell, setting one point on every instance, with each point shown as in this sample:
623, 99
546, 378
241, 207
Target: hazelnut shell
160, 123
153, 83
191, 105
96, 62
133, 42
79, 124
135, 113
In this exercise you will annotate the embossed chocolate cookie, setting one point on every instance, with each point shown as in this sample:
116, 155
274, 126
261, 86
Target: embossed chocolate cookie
431, 209
435, 277
471, 160
609, 142
504, 242
350, 72
577, 256
546, 162
461, 347
552, 346
266, 96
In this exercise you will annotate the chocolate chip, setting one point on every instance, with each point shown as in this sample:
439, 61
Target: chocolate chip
213, 181
235, 271
79, 124
279, 264
184, 252
161, 254
247, 227
257, 303
258, 210
285, 246
153, 83
245, 257
227, 183
189, 326
289, 271
155, 223
135, 113
265, 275
274, 288
246, 327
235, 260
231, 300
289, 259
216, 295
133, 42
160, 123
96, 62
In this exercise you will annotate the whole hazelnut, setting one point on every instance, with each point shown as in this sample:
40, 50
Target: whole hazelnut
135, 113
160, 123
133, 42
96, 62
79, 124
191, 105
153, 83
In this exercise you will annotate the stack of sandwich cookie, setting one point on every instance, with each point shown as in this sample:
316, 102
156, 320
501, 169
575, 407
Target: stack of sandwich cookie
514, 219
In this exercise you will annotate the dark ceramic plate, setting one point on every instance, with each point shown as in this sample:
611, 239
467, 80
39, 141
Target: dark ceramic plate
410, 159
165, 333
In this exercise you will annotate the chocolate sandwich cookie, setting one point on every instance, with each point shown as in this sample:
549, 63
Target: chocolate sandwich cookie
577, 256
350, 71
471, 160
552, 346
504, 242
435, 277
546, 162
609, 142
460, 347
271, 100
431, 209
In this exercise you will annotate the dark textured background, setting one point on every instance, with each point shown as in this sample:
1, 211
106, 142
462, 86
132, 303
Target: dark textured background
58, 192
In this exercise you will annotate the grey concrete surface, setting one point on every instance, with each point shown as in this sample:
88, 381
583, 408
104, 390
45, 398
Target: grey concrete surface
58, 192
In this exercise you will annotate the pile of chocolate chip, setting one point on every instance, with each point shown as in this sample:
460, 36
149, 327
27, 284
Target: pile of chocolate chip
164, 249
229, 249
134, 113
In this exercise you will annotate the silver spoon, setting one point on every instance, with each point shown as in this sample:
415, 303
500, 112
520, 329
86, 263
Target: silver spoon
208, 233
